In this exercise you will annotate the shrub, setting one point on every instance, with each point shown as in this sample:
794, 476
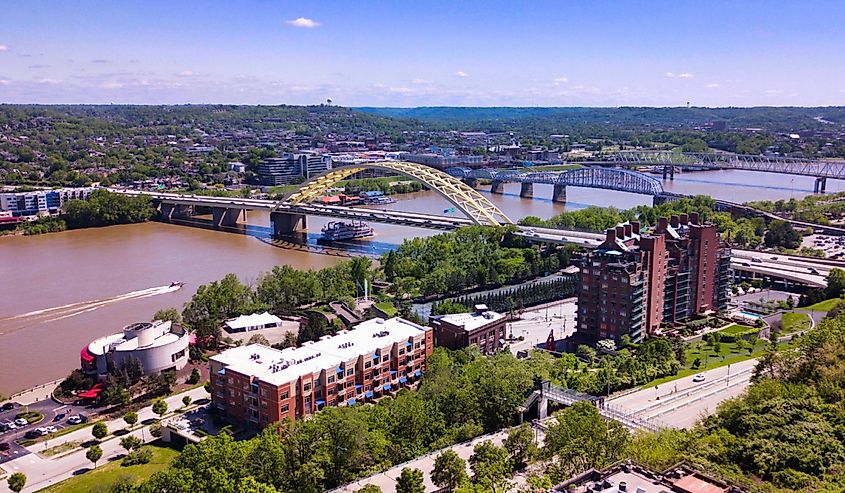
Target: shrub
155, 430
140, 456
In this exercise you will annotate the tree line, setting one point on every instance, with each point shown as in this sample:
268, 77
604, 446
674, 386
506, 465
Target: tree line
511, 299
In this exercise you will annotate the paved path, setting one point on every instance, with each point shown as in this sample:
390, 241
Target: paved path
42, 472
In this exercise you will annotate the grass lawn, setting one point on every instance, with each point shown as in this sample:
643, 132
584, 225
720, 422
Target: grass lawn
823, 306
61, 448
714, 360
387, 307
795, 322
107, 473
736, 329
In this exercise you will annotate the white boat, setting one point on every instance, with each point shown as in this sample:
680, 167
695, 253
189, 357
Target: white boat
339, 230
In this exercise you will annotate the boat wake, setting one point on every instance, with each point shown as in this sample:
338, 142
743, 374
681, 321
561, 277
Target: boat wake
46, 315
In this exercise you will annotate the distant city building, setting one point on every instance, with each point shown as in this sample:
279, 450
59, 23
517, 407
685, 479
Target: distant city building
481, 327
443, 161
256, 321
255, 385
41, 201
292, 168
634, 478
634, 281
158, 346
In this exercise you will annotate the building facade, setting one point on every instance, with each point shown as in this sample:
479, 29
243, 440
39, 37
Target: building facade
633, 282
255, 385
481, 327
292, 168
158, 346
40, 202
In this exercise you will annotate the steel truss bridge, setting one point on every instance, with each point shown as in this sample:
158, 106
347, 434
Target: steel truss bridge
721, 160
622, 180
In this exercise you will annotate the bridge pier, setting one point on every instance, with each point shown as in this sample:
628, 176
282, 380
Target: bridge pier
472, 182
669, 170
527, 190
223, 216
559, 193
660, 199
820, 185
286, 223
497, 187
543, 407
169, 211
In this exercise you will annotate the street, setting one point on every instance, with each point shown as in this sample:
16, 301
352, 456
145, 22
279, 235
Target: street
42, 472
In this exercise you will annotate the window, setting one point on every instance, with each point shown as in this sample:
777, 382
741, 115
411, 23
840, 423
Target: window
416, 345
349, 372
384, 358
331, 391
306, 387
263, 392
284, 396
368, 376
285, 408
401, 350
368, 364
330, 379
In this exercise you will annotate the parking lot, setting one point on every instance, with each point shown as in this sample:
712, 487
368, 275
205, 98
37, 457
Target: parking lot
11, 437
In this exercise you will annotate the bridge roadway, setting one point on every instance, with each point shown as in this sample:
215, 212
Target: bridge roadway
803, 270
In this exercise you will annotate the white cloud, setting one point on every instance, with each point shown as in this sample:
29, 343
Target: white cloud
773, 92
100, 61
111, 85
560, 80
48, 81
461, 73
303, 22
685, 75
712, 86
670, 74
4, 48
4, 82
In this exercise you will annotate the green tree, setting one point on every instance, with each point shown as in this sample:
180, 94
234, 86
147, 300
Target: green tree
17, 481
99, 430
130, 418
170, 314
131, 442
160, 407
370, 488
520, 445
449, 470
94, 454
835, 283
490, 466
410, 481
582, 439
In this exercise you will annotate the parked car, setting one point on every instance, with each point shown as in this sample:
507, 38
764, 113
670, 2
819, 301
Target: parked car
757, 260
4, 446
51, 429
21, 422
59, 417
9, 425
33, 434
75, 420
698, 378
7, 406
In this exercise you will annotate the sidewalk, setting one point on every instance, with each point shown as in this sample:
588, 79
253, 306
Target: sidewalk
35, 394
42, 472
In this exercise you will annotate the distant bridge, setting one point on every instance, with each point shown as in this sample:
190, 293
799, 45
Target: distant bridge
820, 169
622, 180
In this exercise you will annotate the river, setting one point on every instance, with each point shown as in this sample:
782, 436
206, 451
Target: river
59, 291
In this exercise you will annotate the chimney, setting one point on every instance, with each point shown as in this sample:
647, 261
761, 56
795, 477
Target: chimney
684, 219
693, 218
674, 221
635, 227
620, 232
611, 235
663, 224
628, 229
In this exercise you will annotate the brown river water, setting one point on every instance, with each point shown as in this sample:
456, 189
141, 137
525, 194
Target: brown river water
59, 291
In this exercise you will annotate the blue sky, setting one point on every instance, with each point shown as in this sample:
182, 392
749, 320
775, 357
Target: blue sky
413, 53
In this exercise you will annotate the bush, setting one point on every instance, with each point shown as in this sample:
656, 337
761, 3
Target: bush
155, 430
139, 456
195, 377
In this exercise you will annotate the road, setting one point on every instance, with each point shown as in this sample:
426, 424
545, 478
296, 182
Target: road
42, 472
682, 402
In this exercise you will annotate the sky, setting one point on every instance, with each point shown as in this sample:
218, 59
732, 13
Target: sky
424, 53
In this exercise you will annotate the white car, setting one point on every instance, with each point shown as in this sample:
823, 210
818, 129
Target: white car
74, 420
21, 422
698, 378
51, 429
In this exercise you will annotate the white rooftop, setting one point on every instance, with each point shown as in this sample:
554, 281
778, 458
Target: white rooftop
472, 321
276, 366
253, 320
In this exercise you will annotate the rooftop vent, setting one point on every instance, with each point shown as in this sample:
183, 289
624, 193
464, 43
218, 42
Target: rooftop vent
383, 333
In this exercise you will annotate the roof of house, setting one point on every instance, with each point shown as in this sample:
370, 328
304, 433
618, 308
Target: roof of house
473, 320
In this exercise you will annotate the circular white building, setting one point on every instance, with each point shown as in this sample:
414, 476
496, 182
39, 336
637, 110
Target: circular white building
158, 346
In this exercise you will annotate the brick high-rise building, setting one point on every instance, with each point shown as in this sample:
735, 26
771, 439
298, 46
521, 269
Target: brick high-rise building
635, 281
255, 385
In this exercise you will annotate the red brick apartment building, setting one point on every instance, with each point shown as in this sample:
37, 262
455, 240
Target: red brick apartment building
481, 327
635, 281
255, 385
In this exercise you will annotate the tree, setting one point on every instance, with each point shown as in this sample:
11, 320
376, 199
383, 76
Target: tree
370, 488
582, 439
835, 283
99, 430
195, 376
520, 445
160, 407
17, 481
410, 481
781, 233
186, 401
258, 339
130, 418
586, 353
490, 466
449, 470
168, 314
130, 442
94, 454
